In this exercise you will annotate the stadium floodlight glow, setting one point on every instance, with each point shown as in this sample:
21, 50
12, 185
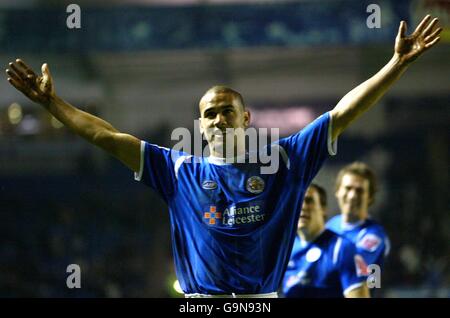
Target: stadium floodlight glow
15, 113
176, 286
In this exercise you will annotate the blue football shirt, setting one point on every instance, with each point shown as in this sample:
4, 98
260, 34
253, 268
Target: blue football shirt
371, 241
233, 227
324, 267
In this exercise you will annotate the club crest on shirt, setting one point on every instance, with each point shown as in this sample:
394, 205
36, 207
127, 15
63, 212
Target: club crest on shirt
313, 254
209, 185
255, 185
369, 242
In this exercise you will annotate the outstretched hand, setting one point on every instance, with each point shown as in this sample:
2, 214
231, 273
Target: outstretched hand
409, 48
39, 89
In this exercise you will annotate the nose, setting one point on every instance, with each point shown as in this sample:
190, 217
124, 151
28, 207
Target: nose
219, 120
306, 206
351, 194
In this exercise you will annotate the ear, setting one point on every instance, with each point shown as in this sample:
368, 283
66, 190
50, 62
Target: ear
324, 217
247, 117
200, 125
371, 200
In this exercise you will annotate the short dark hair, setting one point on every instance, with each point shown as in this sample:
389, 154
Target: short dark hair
362, 170
225, 89
322, 194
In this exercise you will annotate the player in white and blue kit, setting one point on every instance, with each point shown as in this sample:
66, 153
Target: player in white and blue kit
232, 226
323, 264
355, 191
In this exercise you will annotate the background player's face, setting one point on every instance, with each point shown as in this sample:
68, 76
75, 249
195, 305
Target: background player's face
353, 196
219, 112
312, 214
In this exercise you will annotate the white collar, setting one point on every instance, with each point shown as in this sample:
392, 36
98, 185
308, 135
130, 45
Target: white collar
347, 226
223, 161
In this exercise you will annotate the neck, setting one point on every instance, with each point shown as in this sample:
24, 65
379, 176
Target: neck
237, 152
354, 218
309, 235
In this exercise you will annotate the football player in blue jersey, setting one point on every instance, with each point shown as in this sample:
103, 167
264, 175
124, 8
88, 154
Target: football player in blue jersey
232, 225
356, 186
323, 264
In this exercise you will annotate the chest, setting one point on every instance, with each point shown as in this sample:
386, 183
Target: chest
230, 184
313, 262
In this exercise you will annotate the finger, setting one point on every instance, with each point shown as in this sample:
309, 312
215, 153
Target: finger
433, 35
428, 45
32, 81
16, 84
430, 27
21, 73
422, 25
24, 89
45, 69
25, 67
46, 73
13, 75
402, 29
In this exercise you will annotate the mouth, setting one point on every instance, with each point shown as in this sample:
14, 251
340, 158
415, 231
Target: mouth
304, 217
353, 203
219, 133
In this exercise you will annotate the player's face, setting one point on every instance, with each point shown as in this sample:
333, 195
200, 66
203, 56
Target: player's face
312, 214
353, 196
222, 114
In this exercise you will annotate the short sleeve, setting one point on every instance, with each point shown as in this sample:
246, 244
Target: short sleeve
373, 246
157, 169
348, 265
308, 149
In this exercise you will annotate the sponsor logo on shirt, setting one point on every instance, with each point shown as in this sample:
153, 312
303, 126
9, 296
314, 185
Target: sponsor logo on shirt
255, 184
369, 242
212, 216
209, 185
235, 215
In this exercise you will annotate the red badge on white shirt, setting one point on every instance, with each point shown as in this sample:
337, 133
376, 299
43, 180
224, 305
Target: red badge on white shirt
369, 242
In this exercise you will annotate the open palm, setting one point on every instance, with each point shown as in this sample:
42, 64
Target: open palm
424, 37
39, 89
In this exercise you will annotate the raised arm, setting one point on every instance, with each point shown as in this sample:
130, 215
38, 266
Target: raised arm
407, 50
41, 90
